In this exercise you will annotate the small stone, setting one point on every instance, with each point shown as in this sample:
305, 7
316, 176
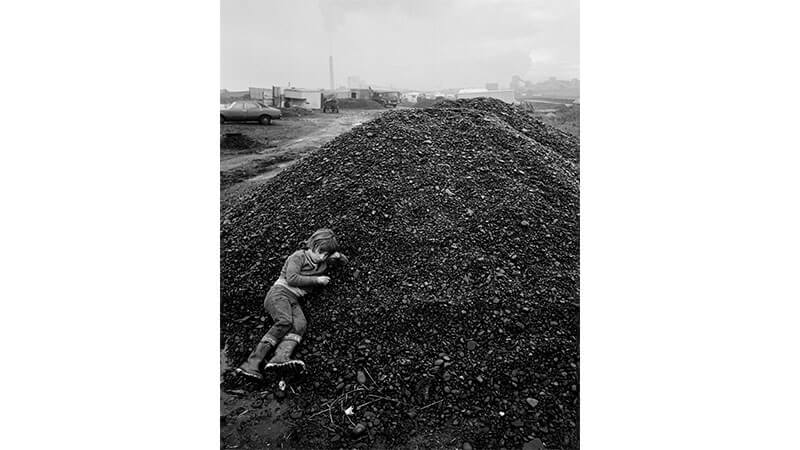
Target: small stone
466, 446
532, 401
471, 345
517, 423
361, 378
359, 429
535, 444
438, 362
525, 223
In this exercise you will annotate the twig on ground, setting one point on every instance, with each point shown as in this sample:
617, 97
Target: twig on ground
368, 403
319, 412
370, 376
331, 404
387, 398
437, 401
350, 392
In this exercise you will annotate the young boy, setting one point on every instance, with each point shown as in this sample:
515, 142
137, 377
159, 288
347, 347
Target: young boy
302, 272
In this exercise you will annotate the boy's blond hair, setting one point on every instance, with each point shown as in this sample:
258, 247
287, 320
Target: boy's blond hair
323, 240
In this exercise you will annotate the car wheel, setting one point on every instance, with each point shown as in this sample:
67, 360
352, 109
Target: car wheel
265, 120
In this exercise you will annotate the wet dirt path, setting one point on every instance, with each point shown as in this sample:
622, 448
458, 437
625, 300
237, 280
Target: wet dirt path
281, 143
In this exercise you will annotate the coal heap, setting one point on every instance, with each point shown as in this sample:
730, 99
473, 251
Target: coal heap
461, 222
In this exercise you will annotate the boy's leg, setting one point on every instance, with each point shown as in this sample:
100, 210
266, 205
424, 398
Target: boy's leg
251, 366
283, 353
280, 309
298, 320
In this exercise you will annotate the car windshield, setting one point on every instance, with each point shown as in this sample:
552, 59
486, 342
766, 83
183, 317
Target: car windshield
262, 105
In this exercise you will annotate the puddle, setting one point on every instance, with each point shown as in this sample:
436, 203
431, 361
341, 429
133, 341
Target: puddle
272, 426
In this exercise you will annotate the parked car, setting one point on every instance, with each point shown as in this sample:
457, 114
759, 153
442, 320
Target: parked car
248, 110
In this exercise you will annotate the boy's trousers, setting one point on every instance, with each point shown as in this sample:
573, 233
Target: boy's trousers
283, 307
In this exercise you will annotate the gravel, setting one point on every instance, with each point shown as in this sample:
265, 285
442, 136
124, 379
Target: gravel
461, 222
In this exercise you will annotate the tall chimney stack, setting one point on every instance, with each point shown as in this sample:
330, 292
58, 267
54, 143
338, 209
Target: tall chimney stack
330, 65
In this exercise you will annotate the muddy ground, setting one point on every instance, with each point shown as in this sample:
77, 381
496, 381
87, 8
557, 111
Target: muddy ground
279, 144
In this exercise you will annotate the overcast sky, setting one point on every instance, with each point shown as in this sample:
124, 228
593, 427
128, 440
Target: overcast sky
414, 44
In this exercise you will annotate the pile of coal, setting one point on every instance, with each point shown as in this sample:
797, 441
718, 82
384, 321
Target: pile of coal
561, 141
460, 301
237, 141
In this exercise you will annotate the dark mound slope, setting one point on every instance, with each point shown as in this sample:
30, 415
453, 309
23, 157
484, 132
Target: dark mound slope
461, 223
561, 141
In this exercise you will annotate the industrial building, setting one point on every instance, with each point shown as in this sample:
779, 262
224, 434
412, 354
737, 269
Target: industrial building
261, 94
303, 98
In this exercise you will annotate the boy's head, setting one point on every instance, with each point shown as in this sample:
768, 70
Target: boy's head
323, 241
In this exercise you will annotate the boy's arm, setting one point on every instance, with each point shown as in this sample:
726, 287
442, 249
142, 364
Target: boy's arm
293, 277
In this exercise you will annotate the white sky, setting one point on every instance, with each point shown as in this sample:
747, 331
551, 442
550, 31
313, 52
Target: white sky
415, 44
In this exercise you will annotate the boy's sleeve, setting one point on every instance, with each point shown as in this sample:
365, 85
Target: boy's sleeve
293, 277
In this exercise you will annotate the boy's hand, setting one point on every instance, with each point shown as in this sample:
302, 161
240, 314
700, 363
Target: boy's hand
342, 259
324, 280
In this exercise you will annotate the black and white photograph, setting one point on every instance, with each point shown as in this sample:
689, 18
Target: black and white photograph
399, 188
399, 224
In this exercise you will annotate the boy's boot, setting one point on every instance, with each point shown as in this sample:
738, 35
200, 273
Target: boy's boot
250, 367
282, 360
